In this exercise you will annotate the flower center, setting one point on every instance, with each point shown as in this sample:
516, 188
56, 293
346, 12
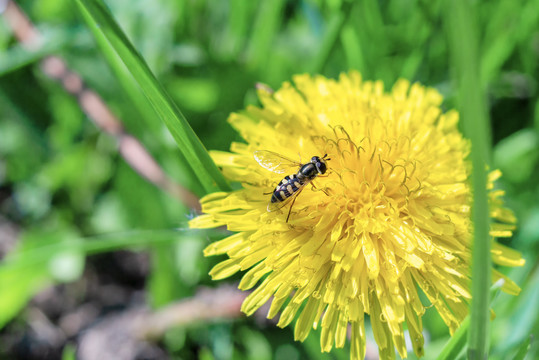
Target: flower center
373, 179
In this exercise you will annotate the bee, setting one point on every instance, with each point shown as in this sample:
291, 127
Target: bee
291, 186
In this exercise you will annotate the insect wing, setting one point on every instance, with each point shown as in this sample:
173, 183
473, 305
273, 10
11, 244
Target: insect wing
276, 163
274, 206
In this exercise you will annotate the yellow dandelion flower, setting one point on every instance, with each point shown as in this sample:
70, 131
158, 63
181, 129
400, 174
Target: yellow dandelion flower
390, 216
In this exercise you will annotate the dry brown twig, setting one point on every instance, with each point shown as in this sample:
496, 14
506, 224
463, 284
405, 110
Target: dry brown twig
131, 149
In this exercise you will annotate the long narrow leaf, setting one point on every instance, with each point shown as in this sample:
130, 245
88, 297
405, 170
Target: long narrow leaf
456, 343
25, 272
91, 245
100, 20
331, 37
266, 26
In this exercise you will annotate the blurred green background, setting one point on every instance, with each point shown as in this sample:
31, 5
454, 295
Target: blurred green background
63, 183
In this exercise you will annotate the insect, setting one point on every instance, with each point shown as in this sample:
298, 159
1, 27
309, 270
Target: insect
291, 186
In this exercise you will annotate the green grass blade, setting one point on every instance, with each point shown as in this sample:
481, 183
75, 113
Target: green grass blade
353, 48
91, 245
331, 37
19, 56
25, 272
456, 343
523, 349
99, 19
266, 25
464, 50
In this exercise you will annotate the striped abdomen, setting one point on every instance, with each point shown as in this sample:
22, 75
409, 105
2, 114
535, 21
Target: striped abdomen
286, 188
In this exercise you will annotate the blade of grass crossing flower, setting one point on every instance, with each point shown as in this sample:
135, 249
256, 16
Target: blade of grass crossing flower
100, 19
463, 44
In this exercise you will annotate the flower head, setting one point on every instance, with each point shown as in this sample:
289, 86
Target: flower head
389, 217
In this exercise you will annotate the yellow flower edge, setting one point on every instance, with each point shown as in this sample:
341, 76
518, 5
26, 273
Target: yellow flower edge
390, 216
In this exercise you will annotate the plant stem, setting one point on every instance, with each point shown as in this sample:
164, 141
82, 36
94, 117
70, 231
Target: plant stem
464, 48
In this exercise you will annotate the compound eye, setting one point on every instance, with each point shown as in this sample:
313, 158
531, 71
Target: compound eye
315, 159
321, 167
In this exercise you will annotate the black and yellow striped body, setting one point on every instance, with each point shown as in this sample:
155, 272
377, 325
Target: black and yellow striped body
292, 185
288, 187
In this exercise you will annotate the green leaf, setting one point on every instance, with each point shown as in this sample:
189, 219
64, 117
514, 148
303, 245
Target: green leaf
266, 25
353, 48
331, 37
525, 318
517, 155
508, 23
28, 270
101, 22
256, 344
69, 353
523, 349
456, 343
19, 56
18, 286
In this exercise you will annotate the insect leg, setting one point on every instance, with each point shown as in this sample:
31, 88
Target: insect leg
323, 190
290, 210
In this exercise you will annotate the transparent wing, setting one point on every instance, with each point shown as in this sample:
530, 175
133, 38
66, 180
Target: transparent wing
279, 205
276, 163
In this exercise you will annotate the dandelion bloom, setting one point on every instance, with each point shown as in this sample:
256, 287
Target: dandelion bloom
390, 216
